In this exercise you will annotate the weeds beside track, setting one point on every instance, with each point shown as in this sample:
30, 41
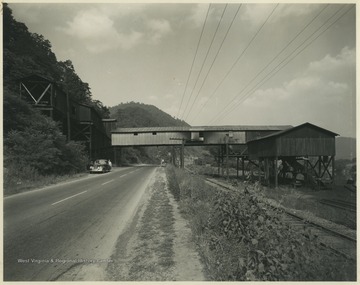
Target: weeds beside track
336, 241
242, 238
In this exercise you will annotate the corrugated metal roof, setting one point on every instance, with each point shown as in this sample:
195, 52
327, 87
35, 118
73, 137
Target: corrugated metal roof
202, 129
292, 129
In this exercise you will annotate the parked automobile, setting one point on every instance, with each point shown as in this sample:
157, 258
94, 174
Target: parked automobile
100, 166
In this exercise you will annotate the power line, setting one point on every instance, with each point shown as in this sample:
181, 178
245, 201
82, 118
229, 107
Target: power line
278, 54
242, 53
207, 53
266, 78
212, 64
300, 51
192, 65
234, 98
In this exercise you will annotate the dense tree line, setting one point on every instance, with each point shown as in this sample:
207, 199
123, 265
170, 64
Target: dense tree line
26, 53
33, 143
139, 115
133, 115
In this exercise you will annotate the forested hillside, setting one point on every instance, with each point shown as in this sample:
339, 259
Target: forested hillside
345, 148
132, 115
26, 53
34, 147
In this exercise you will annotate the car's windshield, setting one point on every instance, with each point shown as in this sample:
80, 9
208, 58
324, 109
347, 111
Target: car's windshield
101, 161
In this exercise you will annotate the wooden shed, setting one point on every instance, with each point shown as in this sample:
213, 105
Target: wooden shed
307, 142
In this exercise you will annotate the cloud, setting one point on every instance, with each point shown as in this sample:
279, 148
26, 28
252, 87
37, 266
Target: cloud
295, 10
321, 95
255, 14
29, 13
169, 96
322, 76
98, 33
338, 67
122, 10
158, 29
102, 28
198, 14
89, 24
153, 98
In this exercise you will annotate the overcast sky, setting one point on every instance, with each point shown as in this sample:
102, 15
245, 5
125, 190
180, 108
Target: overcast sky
249, 64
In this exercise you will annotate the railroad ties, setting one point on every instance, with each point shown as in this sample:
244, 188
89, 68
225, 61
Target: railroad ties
340, 243
339, 204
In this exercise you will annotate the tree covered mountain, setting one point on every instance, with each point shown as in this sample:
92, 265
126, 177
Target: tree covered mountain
133, 115
345, 148
34, 146
26, 53
139, 115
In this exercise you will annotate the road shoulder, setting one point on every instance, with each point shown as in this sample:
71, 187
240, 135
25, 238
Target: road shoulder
157, 245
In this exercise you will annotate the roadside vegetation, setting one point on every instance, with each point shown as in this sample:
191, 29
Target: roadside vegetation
242, 238
36, 152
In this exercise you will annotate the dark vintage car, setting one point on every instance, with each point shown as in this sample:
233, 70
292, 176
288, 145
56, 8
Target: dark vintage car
100, 166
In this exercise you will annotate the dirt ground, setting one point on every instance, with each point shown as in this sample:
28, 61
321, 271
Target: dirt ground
157, 245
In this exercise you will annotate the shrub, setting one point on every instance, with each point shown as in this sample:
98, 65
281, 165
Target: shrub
242, 238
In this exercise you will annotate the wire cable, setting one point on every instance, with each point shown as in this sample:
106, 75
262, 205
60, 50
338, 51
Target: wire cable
242, 53
267, 77
192, 65
300, 51
202, 66
212, 64
278, 54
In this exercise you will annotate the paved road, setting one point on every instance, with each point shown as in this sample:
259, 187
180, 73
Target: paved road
68, 231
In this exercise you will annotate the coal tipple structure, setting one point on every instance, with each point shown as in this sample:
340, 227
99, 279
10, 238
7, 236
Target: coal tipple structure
79, 122
305, 149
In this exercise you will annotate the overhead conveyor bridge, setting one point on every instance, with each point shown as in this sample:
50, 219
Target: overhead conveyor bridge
194, 136
222, 136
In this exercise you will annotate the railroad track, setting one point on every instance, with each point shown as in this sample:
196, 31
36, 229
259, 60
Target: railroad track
339, 204
338, 242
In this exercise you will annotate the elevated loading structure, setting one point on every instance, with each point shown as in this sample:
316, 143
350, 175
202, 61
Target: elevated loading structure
223, 136
78, 122
305, 153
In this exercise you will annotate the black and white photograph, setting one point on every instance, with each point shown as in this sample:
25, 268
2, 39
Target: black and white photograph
179, 141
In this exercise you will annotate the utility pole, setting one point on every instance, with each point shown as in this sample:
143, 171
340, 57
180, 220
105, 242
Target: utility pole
181, 150
227, 140
227, 157
68, 115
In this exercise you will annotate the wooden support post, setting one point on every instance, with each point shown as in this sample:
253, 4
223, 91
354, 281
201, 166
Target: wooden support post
222, 161
182, 154
306, 170
227, 156
115, 157
320, 161
243, 168
218, 160
267, 176
333, 170
173, 154
259, 170
120, 150
275, 172
90, 143
237, 167
68, 117
51, 101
